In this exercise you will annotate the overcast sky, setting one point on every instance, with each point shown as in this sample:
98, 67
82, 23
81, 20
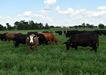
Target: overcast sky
53, 12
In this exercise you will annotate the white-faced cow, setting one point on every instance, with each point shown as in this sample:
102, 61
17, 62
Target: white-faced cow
32, 41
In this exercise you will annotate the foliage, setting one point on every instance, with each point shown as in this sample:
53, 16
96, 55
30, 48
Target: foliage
23, 25
2, 28
31, 25
46, 26
101, 25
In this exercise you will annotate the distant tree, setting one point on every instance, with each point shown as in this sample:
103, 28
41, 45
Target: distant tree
51, 26
32, 24
2, 28
101, 25
9, 26
91, 26
83, 25
80, 26
46, 26
88, 25
40, 26
76, 26
24, 25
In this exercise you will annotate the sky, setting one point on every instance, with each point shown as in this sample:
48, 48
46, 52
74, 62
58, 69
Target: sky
53, 12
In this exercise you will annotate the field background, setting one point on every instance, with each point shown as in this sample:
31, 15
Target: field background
52, 59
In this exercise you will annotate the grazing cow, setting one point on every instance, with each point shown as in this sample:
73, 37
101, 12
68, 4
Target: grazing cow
3, 36
50, 37
45, 32
84, 39
10, 36
42, 38
20, 38
59, 32
98, 32
65, 32
103, 32
56, 31
32, 41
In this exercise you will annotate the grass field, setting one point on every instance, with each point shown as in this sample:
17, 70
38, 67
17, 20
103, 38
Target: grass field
52, 59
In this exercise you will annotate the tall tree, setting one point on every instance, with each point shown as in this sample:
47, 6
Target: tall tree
101, 25
46, 26
2, 28
8, 26
83, 25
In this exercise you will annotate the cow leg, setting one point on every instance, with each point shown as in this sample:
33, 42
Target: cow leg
68, 46
95, 48
50, 42
75, 47
29, 49
97, 44
16, 44
33, 47
36, 46
7, 40
93, 45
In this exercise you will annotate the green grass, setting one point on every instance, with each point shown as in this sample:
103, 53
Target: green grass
52, 59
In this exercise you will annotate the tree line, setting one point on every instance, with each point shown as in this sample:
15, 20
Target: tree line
83, 25
31, 25
24, 25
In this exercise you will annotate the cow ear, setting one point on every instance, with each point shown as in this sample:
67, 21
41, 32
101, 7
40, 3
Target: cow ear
27, 37
34, 37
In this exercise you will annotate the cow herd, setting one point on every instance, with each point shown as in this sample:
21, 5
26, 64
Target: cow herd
76, 38
31, 39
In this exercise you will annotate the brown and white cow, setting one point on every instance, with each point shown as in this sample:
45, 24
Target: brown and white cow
32, 41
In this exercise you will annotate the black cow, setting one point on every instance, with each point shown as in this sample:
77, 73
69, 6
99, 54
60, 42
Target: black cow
19, 39
84, 39
42, 38
70, 33
32, 32
59, 32
3, 36
103, 32
65, 32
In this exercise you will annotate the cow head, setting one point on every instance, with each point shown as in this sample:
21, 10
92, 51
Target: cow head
56, 40
31, 38
67, 45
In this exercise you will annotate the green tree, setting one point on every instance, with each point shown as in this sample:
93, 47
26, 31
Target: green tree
83, 25
88, 25
51, 26
76, 26
9, 26
2, 28
47, 26
101, 25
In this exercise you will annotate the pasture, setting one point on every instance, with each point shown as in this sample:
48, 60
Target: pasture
52, 59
